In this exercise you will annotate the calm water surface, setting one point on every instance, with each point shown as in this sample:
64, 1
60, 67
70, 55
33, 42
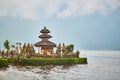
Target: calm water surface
102, 65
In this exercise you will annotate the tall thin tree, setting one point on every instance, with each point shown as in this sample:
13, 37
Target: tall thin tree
17, 47
7, 45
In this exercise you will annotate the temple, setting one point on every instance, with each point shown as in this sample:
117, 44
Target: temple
45, 49
45, 46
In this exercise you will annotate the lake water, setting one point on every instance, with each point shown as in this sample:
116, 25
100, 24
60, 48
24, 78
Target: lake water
102, 65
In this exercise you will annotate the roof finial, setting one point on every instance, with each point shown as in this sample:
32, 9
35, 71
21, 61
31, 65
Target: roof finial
44, 27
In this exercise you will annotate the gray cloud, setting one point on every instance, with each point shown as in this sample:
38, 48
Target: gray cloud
34, 9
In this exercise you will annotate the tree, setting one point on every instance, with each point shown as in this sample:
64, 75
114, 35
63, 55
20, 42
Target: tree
20, 44
70, 48
17, 47
7, 45
20, 47
17, 43
13, 46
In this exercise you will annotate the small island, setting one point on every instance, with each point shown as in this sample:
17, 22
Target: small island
46, 55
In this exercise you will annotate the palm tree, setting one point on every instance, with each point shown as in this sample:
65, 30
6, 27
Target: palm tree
12, 51
17, 43
20, 44
13, 46
17, 46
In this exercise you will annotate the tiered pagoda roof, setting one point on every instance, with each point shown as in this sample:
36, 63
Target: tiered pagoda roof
45, 30
43, 43
45, 35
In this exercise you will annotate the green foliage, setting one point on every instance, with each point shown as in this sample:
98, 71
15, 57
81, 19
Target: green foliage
13, 46
17, 43
43, 61
7, 45
12, 60
70, 48
82, 60
64, 61
20, 44
3, 62
53, 61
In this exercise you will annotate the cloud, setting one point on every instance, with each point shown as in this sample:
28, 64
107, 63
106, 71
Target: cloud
34, 9
85, 7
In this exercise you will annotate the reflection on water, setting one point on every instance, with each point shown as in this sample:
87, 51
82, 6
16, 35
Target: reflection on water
101, 66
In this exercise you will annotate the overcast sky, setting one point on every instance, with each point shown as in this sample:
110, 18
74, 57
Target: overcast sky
89, 24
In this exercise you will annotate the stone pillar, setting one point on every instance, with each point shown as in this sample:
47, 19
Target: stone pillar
38, 49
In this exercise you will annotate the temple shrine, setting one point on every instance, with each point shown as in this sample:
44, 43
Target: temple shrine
45, 49
45, 46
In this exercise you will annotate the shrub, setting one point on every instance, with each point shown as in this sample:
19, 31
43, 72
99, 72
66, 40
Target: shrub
64, 61
12, 60
82, 60
53, 61
3, 62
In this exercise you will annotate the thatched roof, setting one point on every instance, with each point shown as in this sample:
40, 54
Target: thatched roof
45, 36
45, 43
45, 30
